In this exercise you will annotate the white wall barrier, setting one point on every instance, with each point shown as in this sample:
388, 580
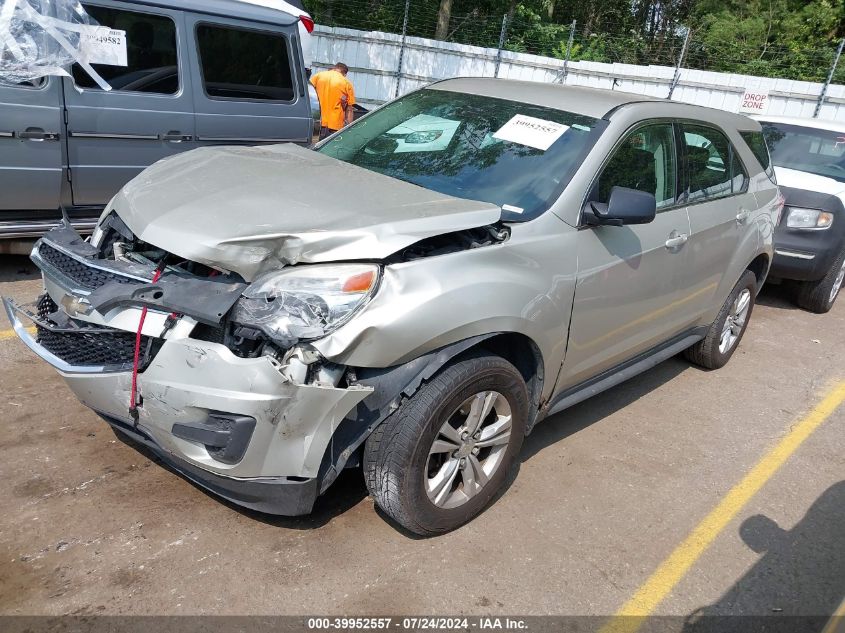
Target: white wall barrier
373, 58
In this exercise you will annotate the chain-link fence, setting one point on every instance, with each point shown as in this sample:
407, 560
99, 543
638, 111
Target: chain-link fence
525, 31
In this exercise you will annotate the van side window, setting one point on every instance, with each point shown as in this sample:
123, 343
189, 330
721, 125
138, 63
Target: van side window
644, 161
151, 51
712, 169
244, 64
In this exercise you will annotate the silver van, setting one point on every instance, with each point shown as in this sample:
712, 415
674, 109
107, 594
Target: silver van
199, 73
413, 296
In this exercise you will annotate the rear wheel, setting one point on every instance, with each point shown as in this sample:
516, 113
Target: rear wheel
725, 333
819, 296
440, 459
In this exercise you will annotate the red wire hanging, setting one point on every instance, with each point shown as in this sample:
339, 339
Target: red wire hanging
133, 398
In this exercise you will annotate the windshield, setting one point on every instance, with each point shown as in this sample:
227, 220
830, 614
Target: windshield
514, 155
819, 152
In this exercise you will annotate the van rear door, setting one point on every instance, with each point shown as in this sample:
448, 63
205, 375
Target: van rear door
250, 83
30, 147
148, 114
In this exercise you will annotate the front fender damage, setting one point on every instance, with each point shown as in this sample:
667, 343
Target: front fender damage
391, 387
296, 421
311, 416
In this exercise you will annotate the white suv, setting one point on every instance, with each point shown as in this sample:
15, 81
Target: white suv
808, 158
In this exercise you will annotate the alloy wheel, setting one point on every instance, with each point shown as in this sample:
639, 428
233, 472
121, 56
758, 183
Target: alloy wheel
468, 449
837, 284
735, 322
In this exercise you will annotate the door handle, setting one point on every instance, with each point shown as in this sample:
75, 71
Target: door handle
742, 216
174, 136
38, 134
676, 240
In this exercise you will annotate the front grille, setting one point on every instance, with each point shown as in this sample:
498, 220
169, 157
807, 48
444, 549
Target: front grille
84, 275
210, 333
46, 306
95, 347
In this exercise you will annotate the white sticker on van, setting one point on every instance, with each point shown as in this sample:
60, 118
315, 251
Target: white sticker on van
531, 132
104, 45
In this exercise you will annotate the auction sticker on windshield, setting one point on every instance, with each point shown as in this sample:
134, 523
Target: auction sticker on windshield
531, 132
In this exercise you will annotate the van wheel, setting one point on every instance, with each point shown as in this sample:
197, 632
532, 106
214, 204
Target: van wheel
725, 333
445, 453
819, 296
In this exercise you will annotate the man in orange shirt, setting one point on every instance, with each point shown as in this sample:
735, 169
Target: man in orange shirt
337, 96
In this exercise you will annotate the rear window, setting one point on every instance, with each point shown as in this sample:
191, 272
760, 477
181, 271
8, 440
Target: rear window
244, 64
712, 168
757, 144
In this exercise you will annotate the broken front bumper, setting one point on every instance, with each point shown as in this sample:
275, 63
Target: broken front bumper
236, 426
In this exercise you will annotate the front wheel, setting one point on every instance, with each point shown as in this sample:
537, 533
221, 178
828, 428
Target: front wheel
439, 460
819, 296
725, 333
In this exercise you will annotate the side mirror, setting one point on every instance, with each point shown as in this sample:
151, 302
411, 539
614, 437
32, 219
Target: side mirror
626, 206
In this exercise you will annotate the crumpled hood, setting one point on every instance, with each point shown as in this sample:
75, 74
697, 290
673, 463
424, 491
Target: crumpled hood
250, 209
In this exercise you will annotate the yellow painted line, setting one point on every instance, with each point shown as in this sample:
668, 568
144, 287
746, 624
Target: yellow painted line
836, 624
632, 615
6, 334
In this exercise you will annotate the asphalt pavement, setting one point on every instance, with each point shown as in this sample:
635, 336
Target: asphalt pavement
681, 492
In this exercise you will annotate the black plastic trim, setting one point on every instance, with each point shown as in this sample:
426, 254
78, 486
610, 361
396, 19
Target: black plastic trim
272, 495
824, 245
225, 436
619, 374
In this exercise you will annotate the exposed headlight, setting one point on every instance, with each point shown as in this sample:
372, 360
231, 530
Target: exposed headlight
798, 218
306, 302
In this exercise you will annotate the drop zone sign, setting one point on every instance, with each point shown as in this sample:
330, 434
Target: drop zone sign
754, 102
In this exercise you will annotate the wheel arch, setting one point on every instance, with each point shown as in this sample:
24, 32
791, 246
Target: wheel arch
393, 385
760, 267
524, 354
759, 263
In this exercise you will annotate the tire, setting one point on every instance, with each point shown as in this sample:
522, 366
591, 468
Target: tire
401, 474
819, 296
716, 348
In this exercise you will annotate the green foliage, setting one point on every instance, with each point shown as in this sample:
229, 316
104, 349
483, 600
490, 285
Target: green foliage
794, 39
772, 38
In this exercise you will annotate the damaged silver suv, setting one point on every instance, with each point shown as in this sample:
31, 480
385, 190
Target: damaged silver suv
410, 298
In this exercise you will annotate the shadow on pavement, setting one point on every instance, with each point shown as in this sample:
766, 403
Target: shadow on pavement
349, 489
345, 493
778, 296
796, 585
17, 268
569, 422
